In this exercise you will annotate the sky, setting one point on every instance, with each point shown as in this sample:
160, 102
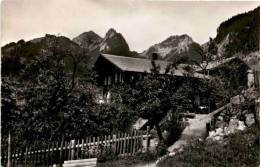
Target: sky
142, 23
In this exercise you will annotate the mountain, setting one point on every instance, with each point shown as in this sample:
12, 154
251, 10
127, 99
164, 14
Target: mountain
15, 56
88, 40
113, 43
238, 35
175, 47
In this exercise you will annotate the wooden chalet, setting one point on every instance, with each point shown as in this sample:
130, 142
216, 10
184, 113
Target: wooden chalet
251, 74
112, 69
211, 68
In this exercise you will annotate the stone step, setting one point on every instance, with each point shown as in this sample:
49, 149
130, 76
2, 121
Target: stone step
92, 162
86, 163
78, 165
75, 165
80, 161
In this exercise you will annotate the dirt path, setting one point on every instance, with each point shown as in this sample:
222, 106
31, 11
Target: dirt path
196, 129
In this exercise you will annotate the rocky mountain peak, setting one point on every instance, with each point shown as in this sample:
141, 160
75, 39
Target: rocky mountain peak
174, 47
88, 40
111, 32
185, 39
114, 43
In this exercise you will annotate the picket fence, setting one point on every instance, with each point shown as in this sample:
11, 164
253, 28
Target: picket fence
123, 144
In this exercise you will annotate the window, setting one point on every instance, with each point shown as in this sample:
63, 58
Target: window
116, 76
120, 76
109, 81
105, 80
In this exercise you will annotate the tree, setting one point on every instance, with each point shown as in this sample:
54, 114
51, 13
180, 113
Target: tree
12, 117
222, 84
212, 49
58, 96
154, 95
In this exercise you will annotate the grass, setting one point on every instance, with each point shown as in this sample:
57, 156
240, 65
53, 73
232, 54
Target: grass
239, 149
140, 158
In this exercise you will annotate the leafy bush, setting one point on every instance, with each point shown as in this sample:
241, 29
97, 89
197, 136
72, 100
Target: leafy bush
107, 157
240, 149
139, 158
147, 157
174, 126
161, 149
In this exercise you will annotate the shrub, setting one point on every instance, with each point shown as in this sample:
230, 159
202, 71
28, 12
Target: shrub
239, 149
175, 127
139, 158
161, 149
107, 157
146, 157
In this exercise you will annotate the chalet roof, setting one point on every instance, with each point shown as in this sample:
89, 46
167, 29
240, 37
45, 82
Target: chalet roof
142, 65
216, 64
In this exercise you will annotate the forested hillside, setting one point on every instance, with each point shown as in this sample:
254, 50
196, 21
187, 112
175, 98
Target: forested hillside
243, 31
15, 56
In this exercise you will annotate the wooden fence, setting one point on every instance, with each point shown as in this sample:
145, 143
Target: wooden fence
123, 144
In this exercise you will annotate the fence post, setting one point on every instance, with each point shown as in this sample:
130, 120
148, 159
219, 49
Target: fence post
135, 135
137, 140
73, 142
69, 152
114, 143
65, 150
25, 158
44, 155
89, 143
86, 151
22, 156
94, 142
127, 144
31, 156
82, 148
131, 144
121, 143
9, 150
36, 154
117, 143
40, 159
18, 158
147, 138
105, 145
61, 152
77, 154
124, 145
98, 148
14, 158
109, 144
52, 152
48, 154
57, 155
